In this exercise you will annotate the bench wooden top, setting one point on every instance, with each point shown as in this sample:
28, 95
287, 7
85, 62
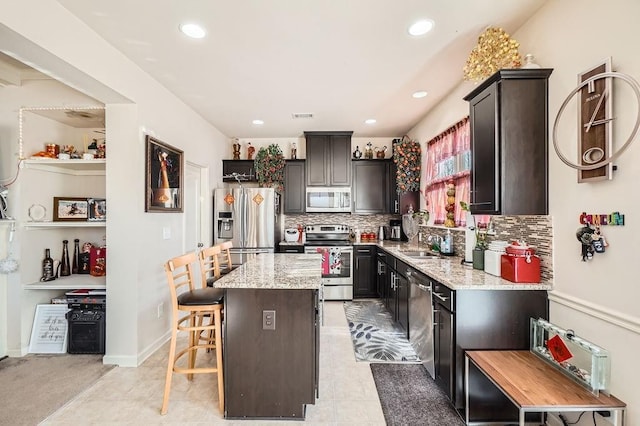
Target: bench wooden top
531, 382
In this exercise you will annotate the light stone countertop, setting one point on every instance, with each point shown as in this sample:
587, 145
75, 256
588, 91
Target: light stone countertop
450, 272
276, 271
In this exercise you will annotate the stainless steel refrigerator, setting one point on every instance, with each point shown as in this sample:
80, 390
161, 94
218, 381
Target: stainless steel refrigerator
245, 216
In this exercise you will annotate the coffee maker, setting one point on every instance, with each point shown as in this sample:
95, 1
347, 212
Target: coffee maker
397, 234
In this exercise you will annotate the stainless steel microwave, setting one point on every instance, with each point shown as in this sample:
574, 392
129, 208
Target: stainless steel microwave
328, 199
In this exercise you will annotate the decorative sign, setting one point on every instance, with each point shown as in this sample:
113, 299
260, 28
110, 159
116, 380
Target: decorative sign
229, 199
258, 199
612, 219
558, 349
49, 331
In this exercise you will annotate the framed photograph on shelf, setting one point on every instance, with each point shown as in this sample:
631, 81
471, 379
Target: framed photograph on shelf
70, 209
163, 180
97, 209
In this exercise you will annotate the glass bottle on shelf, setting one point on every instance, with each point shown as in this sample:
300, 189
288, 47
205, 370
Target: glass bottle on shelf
65, 270
48, 274
530, 61
76, 256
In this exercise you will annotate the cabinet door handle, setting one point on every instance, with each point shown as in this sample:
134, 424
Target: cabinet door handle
439, 296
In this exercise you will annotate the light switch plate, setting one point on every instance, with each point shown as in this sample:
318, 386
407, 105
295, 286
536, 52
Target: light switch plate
166, 233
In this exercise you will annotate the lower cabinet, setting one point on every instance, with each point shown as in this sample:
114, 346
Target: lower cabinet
364, 277
479, 319
399, 276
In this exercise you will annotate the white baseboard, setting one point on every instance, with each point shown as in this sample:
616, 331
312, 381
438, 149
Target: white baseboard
137, 360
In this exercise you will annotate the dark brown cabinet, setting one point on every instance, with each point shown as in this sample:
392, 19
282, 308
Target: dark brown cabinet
371, 187
501, 323
509, 143
328, 161
399, 202
294, 186
364, 278
244, 168
270, 355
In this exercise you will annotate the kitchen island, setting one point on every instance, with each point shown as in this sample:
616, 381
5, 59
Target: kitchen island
271, 336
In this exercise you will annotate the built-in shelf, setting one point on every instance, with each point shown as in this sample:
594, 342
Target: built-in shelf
72, 282
70, 224
94, 167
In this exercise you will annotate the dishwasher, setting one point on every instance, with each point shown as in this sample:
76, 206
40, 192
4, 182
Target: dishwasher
421, 318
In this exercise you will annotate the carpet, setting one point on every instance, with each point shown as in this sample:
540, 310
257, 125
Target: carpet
409, 396
35, 386
375, 335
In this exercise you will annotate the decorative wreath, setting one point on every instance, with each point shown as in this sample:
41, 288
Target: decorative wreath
406, 156
269, 165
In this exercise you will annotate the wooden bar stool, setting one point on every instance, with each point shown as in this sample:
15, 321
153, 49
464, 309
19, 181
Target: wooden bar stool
226, 265
209, 265
190, 307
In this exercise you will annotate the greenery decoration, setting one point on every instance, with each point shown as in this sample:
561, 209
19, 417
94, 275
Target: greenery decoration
406, 156
269, 165
495, 50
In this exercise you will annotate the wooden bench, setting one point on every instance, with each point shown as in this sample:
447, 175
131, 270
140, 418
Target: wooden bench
532, 385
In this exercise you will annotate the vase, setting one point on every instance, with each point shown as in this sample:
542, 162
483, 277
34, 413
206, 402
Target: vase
478, 258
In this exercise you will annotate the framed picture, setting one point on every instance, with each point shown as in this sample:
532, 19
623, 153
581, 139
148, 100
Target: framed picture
49, 331
164, 175
70, 209
97, 209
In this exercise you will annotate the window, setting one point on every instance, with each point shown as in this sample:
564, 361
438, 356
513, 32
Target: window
448, 159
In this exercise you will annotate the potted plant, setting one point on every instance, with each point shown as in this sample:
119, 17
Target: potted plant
269, 165
481, 243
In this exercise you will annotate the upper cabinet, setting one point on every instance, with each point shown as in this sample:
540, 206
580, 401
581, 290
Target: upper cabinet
371, 186
400, 202
509, 143
328, 161
294, 189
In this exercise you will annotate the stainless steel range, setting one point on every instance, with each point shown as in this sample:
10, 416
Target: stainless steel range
332, 241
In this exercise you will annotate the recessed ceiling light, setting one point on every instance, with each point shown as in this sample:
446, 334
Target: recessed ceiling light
421, 27
419, 94
192, 30
258, 122
370, 121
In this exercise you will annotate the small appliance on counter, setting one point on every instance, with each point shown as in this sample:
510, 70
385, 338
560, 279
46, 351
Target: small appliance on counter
396, 230
520, 264
291, 235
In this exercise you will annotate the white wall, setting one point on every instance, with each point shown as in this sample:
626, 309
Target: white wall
597, 299
135, 279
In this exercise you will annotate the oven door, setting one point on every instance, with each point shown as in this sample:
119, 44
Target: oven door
337, 271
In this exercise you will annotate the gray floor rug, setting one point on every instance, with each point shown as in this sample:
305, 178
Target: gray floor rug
35, 386
375, 336
409, 396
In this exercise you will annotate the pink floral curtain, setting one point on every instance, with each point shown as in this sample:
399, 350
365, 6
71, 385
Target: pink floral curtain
448, 159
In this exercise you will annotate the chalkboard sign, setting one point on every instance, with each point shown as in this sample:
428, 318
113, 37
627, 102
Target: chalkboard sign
49, 332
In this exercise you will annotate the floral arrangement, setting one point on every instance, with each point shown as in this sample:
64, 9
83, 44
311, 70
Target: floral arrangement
269, 165
406, 156
495, 50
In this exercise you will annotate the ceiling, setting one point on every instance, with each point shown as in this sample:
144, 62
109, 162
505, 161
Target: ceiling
342, 61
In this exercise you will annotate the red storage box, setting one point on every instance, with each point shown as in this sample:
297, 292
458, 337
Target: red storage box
520, 269
98, 261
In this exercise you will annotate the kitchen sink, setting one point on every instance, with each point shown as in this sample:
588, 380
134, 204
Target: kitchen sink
420, 254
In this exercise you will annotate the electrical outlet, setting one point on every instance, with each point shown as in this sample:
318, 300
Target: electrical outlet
166, 233
268, 320
160, 309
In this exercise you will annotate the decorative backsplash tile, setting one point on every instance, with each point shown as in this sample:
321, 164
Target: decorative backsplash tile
536, 231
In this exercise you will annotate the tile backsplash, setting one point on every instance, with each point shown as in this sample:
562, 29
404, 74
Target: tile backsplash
536, 231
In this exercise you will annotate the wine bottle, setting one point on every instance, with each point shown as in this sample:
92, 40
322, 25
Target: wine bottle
65, 270
76, 256
48, 274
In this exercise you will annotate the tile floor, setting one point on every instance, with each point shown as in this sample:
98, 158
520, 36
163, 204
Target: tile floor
134, 395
